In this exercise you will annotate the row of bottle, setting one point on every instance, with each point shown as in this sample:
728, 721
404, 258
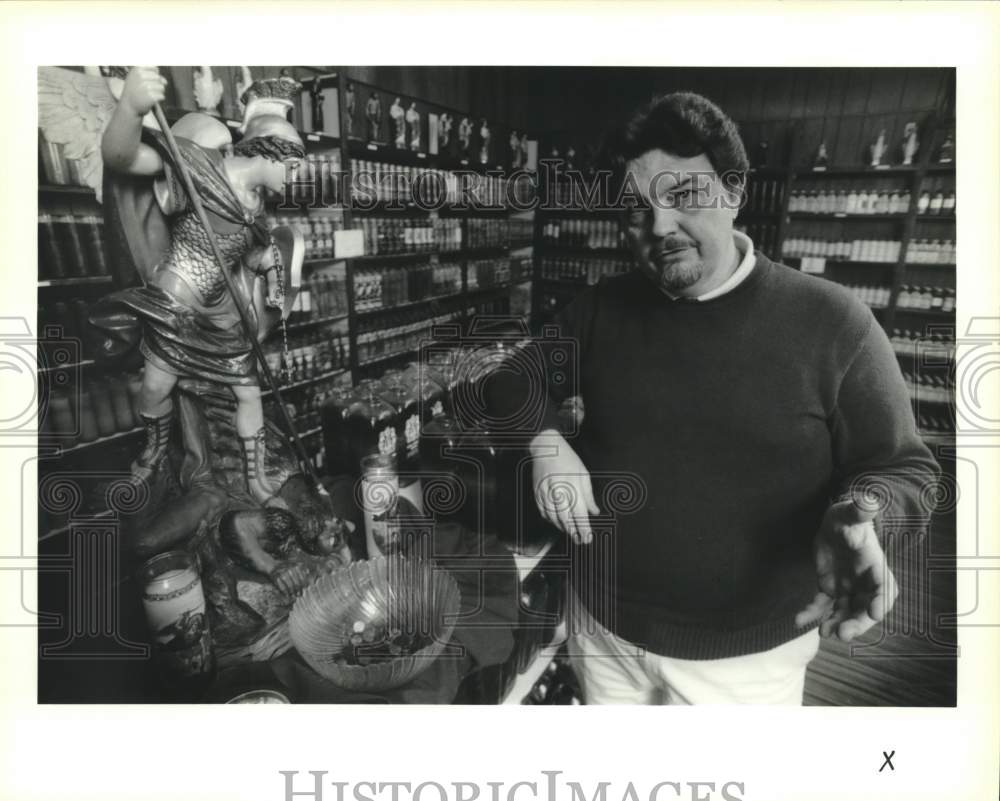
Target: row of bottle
916, 343
582, 193
830, 200
764, 236
485, 273
425, 187
323, 294
98, 407
930, 388
391, 235
941, 423
317, 181
400, 334
484, 232
931, 251
764, 195
583, 233
864, 250
934, 198
308, 356
70, 246
589, 271
317, 231
521, 232
56, 168
387, 287
871, 294
926, 297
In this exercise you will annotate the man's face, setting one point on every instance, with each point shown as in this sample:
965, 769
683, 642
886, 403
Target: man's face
682, 232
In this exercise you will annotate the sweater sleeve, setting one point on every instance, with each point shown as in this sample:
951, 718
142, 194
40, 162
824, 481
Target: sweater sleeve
876, 447
551, 371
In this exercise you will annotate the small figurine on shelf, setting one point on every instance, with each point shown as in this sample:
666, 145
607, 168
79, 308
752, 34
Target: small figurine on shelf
570, 162
524, 150
515, 150
444, 131
910, 143
465, 135
946, 155
484, 142
413, 124
398, 117
878, 149
244, 82
373, 113
316, 96
350, 106
821, 160
207, 90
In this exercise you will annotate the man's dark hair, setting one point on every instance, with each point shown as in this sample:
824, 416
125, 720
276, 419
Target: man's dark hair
684, 124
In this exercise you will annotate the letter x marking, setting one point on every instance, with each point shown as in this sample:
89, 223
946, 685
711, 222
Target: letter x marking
888, 761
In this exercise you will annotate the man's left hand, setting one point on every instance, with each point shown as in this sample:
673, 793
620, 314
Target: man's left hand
856, 587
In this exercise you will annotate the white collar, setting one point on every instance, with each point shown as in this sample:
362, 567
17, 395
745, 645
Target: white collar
745, 246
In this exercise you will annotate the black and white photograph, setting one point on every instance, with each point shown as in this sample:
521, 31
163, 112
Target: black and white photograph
378, 384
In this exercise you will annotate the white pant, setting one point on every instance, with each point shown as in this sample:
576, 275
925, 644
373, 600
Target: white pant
614, 671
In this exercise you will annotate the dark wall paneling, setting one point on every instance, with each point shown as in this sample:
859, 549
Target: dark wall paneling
859, 87
887, 91
847, 147
818, 93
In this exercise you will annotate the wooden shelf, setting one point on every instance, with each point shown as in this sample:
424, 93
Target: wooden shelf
67, 189
582, 250
306, 324
937, 438
386, 357
375, 258
408, 305
305, 382
950, 218
930, 264
576, 211
830, 262
943, 315
833, 216
69, 366
805, 173
85, 280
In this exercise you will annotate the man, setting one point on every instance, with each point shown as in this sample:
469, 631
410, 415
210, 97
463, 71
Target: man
752, 403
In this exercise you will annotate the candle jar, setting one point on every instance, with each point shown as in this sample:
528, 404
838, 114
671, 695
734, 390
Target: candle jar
174, 602
379, 496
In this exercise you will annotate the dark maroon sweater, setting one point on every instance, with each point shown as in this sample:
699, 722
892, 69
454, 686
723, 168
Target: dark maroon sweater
741, 416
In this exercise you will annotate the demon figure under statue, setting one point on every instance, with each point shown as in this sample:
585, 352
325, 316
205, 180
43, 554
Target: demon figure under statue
209, 453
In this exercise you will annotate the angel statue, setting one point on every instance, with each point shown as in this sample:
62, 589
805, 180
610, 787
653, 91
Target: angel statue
200, 371
188, 320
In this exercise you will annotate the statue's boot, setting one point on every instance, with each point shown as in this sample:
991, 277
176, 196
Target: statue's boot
155, 449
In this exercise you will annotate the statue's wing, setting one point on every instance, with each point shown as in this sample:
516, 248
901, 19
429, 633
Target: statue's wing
73, 110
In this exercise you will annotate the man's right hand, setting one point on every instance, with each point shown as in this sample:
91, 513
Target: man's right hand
562, 486
144, 88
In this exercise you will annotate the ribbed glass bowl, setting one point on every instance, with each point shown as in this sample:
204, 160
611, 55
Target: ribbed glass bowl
384, 593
